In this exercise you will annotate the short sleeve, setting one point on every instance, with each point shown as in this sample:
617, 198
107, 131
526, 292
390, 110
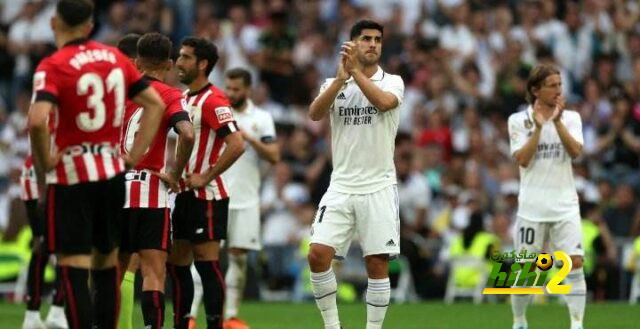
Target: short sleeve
268, 129
45, 86
574, 126
218, 116
134, 80
518, 134
395, 85
175, 111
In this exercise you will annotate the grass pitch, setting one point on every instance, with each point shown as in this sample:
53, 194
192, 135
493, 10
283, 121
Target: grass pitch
432, 315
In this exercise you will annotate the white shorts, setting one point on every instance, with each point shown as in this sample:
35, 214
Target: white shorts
244, 228
564, 235
374, 217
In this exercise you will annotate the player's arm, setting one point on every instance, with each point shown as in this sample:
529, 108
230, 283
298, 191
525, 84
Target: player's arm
321, 105
266, 147
524, 144
151, 118
37, 121
382, 100
185, 146
233, 150
570, 144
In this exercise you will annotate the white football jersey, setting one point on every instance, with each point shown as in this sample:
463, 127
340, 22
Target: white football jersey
243, 177
363, 137
547, 187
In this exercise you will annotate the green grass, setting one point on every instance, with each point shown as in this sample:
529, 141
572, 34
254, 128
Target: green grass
411, 316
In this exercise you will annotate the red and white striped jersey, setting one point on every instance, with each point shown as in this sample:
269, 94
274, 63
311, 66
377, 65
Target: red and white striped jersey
89, 83
212, 120
145, 190
28, 182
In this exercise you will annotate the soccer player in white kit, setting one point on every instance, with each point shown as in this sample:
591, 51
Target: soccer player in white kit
361, 102
544, 140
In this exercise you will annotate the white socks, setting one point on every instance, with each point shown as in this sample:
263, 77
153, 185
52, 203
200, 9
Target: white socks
324, 288
576, 299
519, 305
235, 280
378, 295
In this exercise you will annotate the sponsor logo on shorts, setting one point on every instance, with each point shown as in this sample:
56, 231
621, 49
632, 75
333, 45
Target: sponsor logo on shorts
390, 243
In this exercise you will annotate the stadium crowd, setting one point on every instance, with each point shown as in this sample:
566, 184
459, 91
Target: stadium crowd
464, 64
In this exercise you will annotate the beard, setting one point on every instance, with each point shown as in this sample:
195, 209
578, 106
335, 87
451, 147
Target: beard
188, 77
237, 103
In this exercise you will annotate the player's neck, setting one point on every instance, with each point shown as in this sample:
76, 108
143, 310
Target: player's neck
156, 74
198, 83
370, 70
67, 36
546, 111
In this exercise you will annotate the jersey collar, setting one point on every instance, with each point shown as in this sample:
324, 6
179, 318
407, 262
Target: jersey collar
378, 76
195, 92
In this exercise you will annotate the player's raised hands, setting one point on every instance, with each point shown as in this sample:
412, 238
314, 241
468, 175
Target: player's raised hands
538, 118
349, 53
557, 112
342, 73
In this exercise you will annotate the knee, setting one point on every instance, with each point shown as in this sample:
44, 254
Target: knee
377, 266
576, 262
319, 259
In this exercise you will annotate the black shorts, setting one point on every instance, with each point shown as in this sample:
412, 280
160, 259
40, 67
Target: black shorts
84, 216
145, 228
35, 217
199, 220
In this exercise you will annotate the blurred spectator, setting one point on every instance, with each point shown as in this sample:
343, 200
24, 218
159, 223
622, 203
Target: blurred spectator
275, 60
620, 215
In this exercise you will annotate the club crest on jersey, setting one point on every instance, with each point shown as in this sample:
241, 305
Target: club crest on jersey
38, 80
528, 124
224, 114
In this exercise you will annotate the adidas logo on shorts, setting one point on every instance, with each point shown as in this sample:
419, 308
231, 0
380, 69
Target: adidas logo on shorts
342, 96
391, 243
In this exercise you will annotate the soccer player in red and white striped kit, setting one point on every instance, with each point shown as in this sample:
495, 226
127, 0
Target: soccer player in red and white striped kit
86, 84
200, 214
146, 214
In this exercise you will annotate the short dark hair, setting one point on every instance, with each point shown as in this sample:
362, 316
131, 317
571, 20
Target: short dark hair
128, 45
74, 12
240, 73
154, 48
364, 24
204, 50
536, 79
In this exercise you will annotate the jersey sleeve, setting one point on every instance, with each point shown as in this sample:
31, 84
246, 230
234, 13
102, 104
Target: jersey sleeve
175, 111
218, 116
396, 87
574, 126
268, 131
134, 80
45, 86
518, 134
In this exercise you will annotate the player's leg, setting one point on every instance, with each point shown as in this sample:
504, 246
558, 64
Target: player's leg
56, 317
331, 233
153, 243
212, 216
197, 297
528, 236
37, 264
108, 201
180, 260
243, 235
128, 260
566, 236
378, 225
69, 235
